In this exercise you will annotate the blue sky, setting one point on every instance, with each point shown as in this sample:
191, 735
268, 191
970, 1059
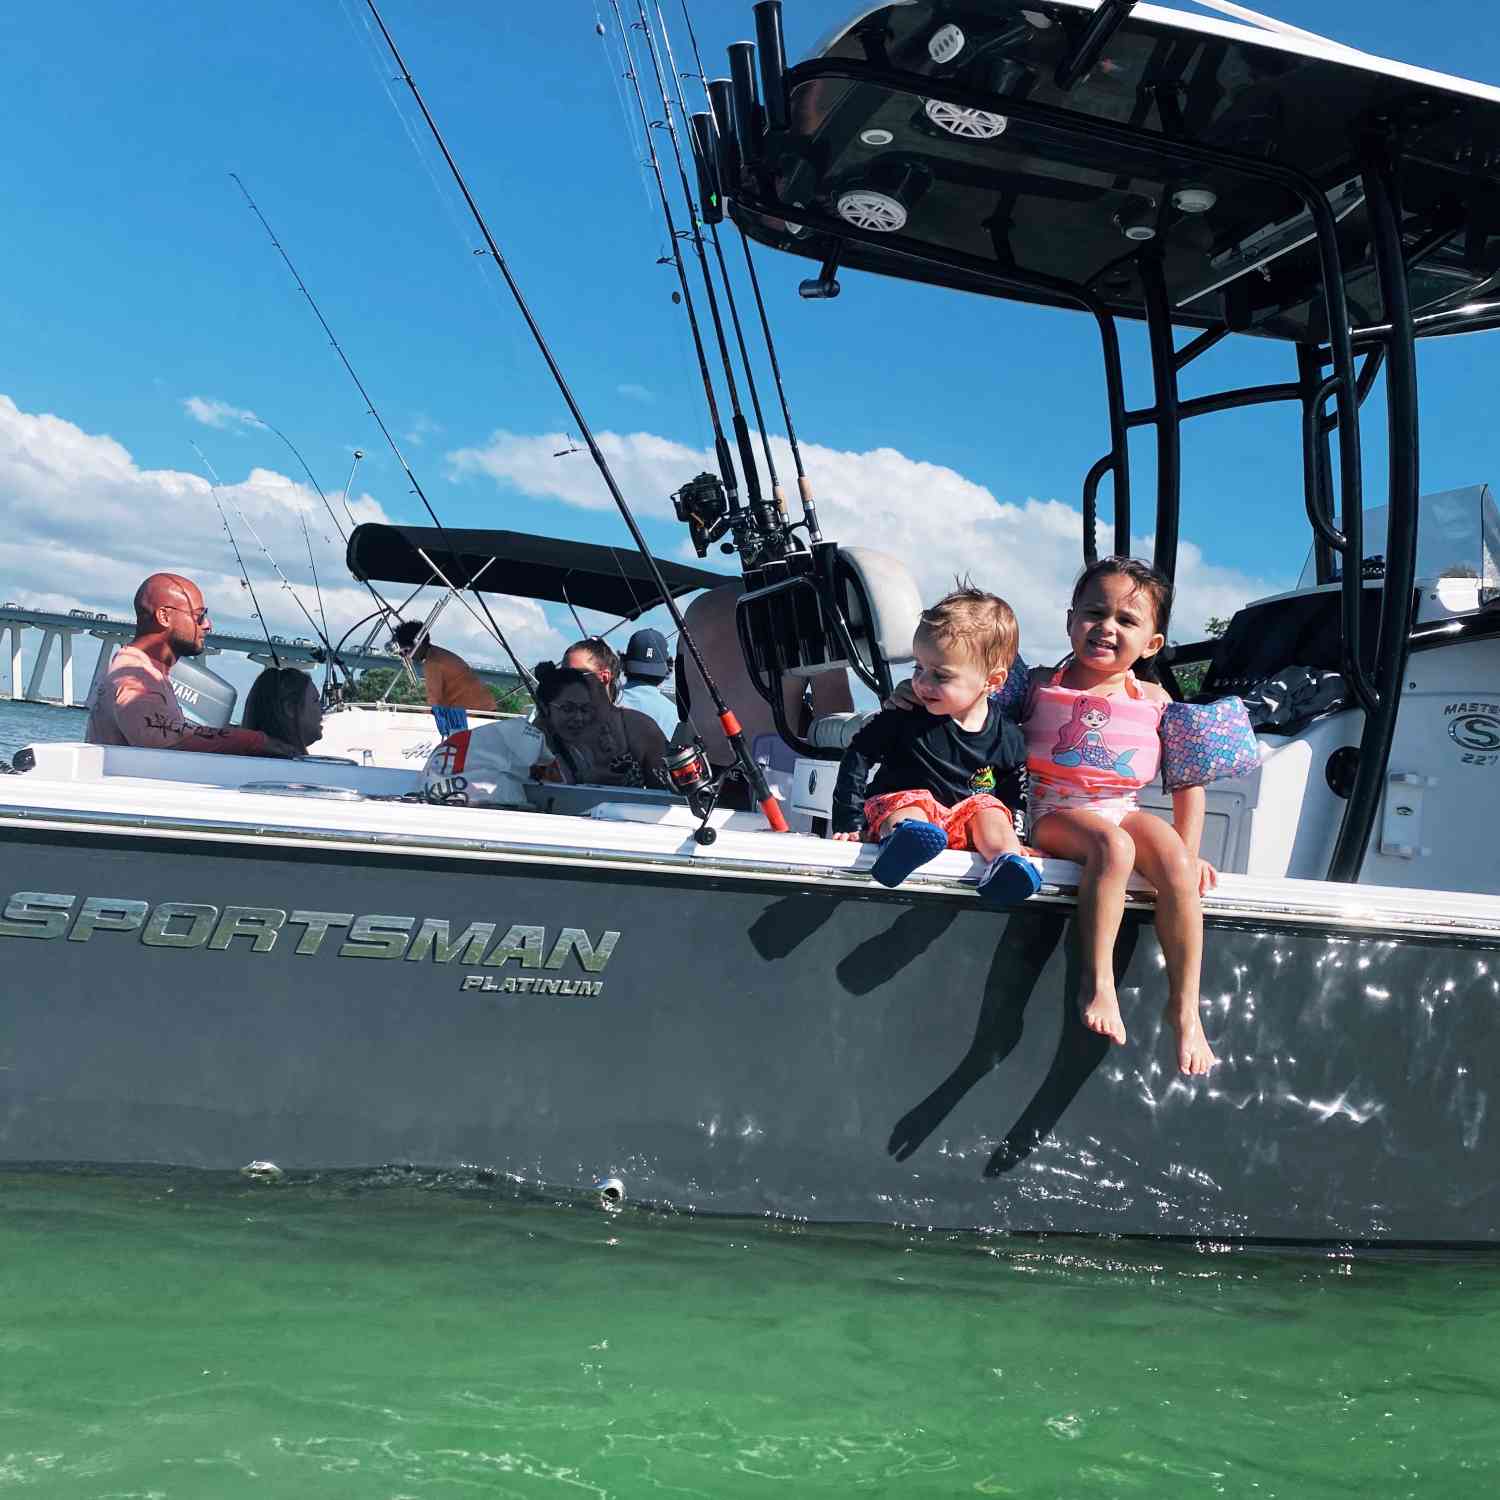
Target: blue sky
135, 278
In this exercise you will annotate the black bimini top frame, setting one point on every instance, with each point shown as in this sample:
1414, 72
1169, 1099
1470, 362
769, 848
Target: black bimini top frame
585, 575
1130, 162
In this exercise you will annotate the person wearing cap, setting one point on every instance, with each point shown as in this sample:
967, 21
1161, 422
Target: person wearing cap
646, 667
453, 688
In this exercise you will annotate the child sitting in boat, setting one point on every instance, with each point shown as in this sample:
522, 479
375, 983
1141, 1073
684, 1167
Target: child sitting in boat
952, 768
1092, 742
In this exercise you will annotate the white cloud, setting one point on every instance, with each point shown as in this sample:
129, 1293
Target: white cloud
635, 392
941, 523
84, 525
422, 427
219, 414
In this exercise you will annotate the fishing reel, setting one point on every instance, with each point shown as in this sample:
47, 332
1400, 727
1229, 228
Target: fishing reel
702, 504
690, 775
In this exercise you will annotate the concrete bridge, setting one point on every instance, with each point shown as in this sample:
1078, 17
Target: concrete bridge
58, 632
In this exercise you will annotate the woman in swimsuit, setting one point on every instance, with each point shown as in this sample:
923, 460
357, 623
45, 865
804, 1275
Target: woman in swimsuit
596, 743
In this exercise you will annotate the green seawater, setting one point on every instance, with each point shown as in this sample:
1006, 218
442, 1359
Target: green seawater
184, 1335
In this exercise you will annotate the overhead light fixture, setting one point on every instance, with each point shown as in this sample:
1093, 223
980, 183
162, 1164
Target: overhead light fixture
876, 137
1037, 20
1136, 220
1194, 200
969, 124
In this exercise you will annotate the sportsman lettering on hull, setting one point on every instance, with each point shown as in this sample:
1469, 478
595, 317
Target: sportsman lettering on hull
49, 915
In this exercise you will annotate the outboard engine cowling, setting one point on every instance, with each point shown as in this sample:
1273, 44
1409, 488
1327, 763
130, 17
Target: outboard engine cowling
206, 698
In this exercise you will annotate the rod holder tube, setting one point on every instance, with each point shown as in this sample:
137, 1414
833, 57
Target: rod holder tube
772, 48
705, 158
721, 101
746, 105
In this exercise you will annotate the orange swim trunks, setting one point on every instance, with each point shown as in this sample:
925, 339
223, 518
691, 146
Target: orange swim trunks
954, 821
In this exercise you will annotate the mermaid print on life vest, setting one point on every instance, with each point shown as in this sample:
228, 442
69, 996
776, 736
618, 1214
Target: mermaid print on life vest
1081, 740
1083, 744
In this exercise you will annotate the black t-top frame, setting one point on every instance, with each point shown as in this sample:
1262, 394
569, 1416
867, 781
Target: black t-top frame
1066, 166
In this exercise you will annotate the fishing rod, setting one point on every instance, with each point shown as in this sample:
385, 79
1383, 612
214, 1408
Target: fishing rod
311, 478
395, 447
704, 215
333, 663
721, 131
727, 721
322, 613
213, 486
764, 516
697, 509
286, 582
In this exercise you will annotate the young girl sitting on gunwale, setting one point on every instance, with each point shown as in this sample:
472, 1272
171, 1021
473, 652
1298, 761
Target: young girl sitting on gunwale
1092, 742
949, 766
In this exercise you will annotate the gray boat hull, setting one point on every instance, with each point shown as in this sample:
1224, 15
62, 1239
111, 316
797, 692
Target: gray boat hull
742, 1046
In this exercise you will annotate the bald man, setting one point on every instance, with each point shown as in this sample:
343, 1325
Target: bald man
135, 703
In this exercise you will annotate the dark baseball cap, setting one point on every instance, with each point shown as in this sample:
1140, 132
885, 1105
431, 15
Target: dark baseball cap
646, 654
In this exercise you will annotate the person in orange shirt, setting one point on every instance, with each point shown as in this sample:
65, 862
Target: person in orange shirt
453, 688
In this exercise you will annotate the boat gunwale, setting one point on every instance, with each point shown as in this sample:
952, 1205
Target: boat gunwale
1379, 909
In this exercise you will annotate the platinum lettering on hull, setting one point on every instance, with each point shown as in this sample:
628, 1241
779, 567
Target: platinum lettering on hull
49, 915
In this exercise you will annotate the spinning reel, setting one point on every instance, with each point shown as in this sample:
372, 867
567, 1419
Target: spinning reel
702, 504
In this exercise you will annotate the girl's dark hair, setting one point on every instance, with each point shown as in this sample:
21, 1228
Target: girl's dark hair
273, 700
551, 679
1155, 585
604, 657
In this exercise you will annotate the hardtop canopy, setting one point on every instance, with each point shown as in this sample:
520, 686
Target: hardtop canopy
586, 575
937, 142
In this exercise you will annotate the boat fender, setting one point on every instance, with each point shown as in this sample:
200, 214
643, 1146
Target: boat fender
1204, 742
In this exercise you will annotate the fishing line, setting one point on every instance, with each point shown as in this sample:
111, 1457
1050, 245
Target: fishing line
322, 613
286, 582
395, 447
804, 485
310, 479
614, 66
730, 725
441, 187
213, 488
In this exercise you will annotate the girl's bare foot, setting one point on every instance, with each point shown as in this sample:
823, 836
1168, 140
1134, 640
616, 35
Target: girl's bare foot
1194, 1056
1101, 1013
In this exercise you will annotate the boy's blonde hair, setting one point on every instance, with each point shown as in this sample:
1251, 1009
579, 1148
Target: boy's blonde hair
981, 624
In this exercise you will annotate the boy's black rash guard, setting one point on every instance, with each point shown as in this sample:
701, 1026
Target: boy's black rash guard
919, 751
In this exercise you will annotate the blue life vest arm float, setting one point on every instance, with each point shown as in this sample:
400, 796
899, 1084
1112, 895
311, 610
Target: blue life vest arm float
1204, 742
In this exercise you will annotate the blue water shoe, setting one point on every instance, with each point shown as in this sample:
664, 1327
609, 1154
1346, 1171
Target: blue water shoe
905, 848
